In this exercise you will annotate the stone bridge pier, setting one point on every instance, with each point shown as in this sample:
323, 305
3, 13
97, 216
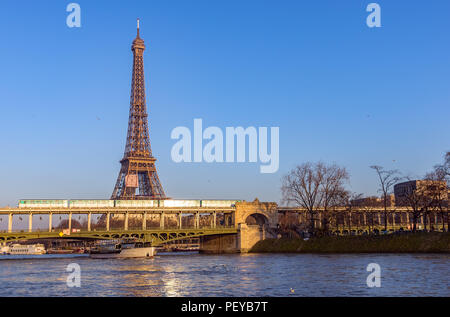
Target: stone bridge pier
253, 220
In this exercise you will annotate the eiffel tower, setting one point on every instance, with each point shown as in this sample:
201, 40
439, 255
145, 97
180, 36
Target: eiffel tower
138, 178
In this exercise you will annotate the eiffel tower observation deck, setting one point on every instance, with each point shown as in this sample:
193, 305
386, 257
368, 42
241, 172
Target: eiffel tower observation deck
138, 178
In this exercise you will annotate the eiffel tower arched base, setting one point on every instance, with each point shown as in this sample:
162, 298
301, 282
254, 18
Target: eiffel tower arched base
144, 181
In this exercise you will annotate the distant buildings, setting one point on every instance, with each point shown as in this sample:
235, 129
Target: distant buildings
420, 189
373, 201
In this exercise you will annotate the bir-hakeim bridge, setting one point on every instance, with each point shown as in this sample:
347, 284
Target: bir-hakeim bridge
172, 223
222, 226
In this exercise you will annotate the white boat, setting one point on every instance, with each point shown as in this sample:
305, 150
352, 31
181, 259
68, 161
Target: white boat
109, 250
25, 249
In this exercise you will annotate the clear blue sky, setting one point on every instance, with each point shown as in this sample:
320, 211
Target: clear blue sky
339, 91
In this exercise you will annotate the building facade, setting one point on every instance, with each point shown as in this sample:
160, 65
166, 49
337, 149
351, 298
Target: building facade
424, 191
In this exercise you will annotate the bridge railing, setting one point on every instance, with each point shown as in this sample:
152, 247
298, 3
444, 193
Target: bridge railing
83, 230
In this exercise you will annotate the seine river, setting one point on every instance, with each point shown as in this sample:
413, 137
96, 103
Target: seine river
192, 274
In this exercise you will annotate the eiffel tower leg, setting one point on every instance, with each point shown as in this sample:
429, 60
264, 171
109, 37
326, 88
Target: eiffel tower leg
120, 185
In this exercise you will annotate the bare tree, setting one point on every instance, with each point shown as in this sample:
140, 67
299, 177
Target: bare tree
415, 198
443, 171
341, 199
301, 186
289, 224
367, 204
387, 178
438, 192
314, 185
333, 192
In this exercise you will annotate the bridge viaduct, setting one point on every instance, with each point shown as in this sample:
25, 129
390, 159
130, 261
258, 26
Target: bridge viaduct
220, 229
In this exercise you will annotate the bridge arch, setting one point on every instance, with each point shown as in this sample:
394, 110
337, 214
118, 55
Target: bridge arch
255, 221
257, 218
252, 213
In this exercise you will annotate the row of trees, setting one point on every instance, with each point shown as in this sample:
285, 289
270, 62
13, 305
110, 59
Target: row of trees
319, 185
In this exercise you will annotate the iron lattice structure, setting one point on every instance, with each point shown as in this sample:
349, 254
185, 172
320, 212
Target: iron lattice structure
156, 237
138, 178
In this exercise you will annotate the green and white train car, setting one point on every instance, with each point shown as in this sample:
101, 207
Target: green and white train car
106, 203
91, 203
39, 203
136, 203
180, 203
218, 203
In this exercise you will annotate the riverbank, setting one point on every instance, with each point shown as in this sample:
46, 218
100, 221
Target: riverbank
433, 242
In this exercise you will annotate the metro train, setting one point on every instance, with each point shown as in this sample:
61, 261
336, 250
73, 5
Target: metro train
106, 203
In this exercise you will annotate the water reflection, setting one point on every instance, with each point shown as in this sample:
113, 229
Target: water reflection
230, 275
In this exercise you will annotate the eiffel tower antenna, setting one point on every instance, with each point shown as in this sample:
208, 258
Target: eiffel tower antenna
137, 27
138, 178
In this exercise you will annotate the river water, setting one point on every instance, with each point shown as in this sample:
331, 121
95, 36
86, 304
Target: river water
192, 274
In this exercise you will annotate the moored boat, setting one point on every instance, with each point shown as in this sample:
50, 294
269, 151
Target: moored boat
122, 249
26, 249
60, 251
